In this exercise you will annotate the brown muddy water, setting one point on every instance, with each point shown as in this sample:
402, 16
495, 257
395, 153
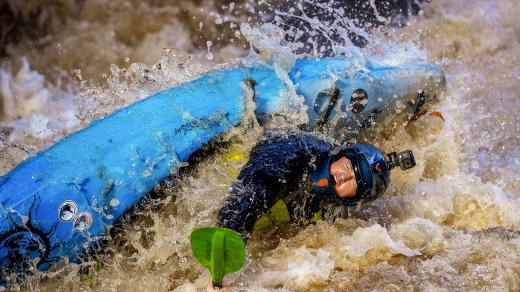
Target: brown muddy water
450, 224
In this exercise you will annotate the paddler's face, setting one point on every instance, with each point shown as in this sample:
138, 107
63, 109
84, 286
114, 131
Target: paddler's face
342, 172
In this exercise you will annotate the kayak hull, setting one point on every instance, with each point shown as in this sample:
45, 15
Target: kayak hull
58, 202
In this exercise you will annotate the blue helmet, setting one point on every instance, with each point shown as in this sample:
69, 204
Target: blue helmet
372, 170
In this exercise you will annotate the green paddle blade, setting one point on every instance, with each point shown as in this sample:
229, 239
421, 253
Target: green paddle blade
221, 250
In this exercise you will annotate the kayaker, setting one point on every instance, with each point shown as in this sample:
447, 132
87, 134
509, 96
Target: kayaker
308, 173
301, 173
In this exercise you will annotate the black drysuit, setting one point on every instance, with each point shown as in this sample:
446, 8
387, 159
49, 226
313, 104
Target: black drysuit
278, 168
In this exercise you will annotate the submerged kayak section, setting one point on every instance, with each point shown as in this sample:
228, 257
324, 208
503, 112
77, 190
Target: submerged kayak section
56, 204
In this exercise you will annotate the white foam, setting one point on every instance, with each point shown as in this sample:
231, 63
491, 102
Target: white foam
365, 239
33, 106
306, 266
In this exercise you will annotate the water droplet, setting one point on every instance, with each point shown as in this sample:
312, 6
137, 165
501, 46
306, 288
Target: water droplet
209, 56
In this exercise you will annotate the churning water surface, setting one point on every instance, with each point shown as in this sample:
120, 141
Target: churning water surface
451, 223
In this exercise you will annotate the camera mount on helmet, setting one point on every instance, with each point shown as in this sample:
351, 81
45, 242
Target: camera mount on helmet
405, 160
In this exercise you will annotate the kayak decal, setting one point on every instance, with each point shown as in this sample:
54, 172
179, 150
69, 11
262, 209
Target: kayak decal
24, 247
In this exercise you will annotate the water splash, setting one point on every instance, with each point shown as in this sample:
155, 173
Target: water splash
450, 223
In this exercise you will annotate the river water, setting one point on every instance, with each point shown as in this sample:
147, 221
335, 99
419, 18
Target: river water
451, 223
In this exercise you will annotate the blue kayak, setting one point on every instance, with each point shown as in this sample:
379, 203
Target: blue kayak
57, 203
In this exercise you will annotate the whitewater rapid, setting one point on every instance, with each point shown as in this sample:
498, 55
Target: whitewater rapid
451, 223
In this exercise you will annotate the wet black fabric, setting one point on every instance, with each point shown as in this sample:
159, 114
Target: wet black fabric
278, 167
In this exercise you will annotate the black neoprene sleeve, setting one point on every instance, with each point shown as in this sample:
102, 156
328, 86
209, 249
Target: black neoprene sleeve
275, 168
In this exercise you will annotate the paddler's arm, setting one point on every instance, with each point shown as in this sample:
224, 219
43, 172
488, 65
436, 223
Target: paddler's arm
275, 168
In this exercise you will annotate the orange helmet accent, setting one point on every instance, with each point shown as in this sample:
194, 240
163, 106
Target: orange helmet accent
322, 182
